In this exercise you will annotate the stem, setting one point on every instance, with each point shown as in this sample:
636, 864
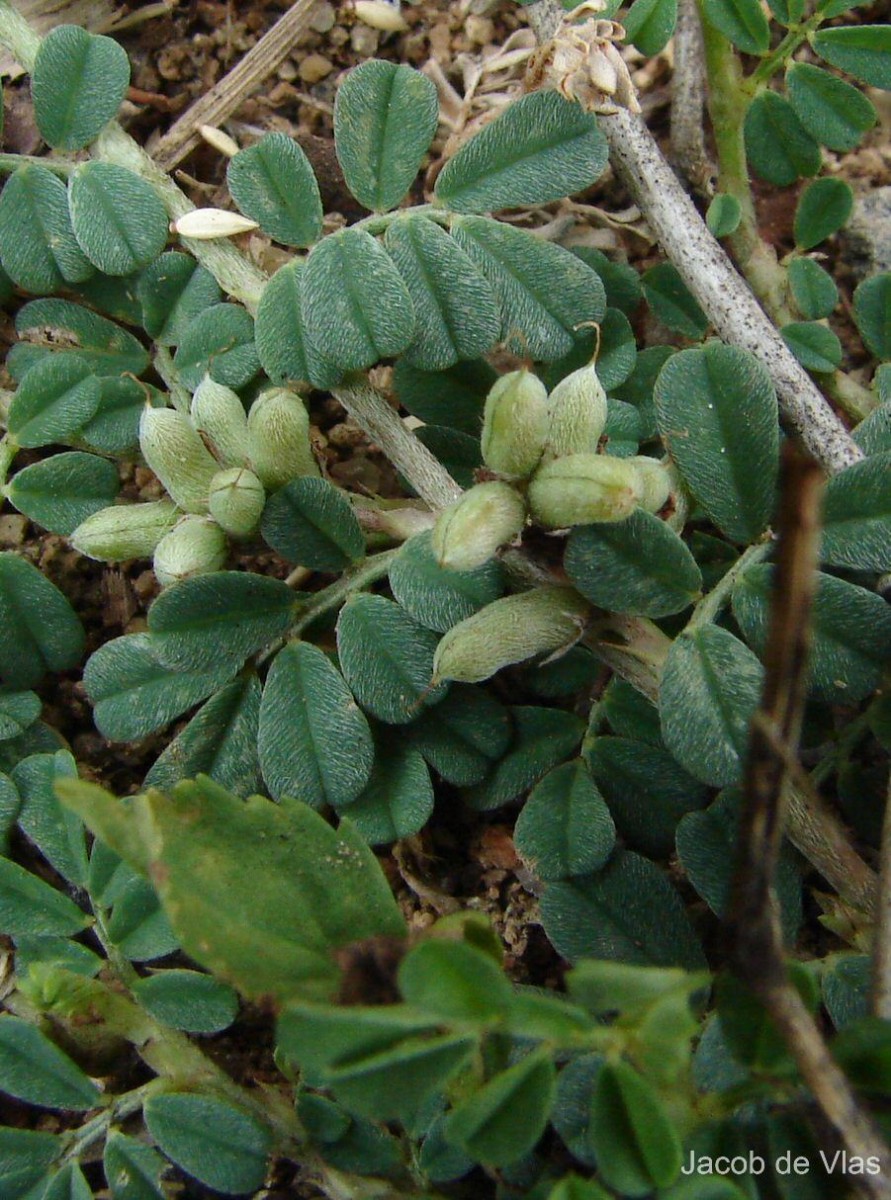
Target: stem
408, 454
378, 222
335, 594
709, 607
777, 59
79, 1140
163, 364
11, 162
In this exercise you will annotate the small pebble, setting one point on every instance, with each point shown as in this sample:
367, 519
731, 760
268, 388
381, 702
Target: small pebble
323, 17
480, 30
364, 40
12, 530
314, 68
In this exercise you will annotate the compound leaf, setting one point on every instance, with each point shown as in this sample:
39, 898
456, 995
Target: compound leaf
37, 244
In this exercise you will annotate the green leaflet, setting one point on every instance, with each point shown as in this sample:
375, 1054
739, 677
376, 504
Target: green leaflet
219, 342
30, 906
544, 291
813, 289
60, 328
464, 735
823, 207
273, 183
118, 219
731, 464
857, 516
398, 799
138, 926
220, 741
188, 1000
37, 244
311, 522
58, 834
646, 790
723, 216
542, 738
742, 22
832, 111
457, 316
453, 398
864, 51
628, 911
650, 23
707, 843
210, 1139
504, 1119
133, 1168
172, 291
851, 632
18, 711
32, 1068
134, 693
436, 596
565, 828
315, 744
60, 492
846, 987
218, 620
541, 148
816, 347
25, 1155
631, 1133
68, 1184
778, 146
673, 302
355, 307
387, 659
637, 566
711, 685
872, 312
385, 117
284, 350
57, 397
77, 84
39, 630
455, 982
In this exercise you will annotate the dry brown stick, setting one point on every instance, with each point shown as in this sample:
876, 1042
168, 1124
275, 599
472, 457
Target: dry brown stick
225, 97
688, 101
755, 925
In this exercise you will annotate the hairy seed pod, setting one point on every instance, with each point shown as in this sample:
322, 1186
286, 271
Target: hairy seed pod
219, 416
195, 546
278, 438
173, 448
584, 488
655, 481
468, 532
124, 531
237, 500
577, 414
510, 630
515, 424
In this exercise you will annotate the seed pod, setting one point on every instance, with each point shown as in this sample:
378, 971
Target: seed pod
278, 438
195, 546
172, 447
237, 500
204, 224
515, 424
124, 530
468, 533
218, 414
583, 488
578, 414
380, 14
510, 630
655, 481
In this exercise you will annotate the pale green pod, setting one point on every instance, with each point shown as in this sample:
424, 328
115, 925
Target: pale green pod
468, 532
195, 546
172, 447
584, 488
124, 531
515, 424
219, 416
510, 630
237, 500
655, 482
278, 438
578, 411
